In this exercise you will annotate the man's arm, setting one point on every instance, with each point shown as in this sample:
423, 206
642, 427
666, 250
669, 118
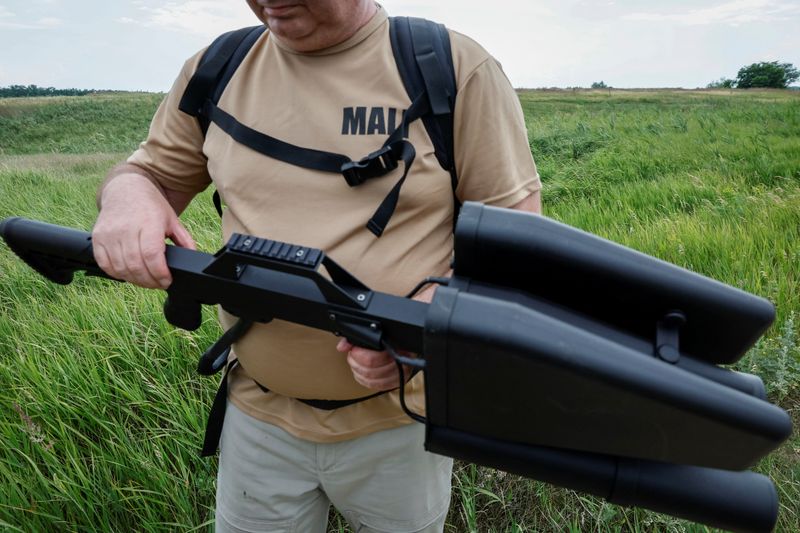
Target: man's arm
532, 203
136, 214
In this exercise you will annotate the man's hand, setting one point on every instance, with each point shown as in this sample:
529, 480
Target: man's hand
378, 370
128, 236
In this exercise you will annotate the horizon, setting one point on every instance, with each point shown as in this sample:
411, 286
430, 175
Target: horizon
140, 45
96, 90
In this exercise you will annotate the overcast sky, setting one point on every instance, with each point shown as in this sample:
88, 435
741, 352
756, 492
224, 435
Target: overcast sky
140, 44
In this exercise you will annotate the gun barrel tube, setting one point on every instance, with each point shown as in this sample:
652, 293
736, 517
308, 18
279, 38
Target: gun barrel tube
5, 226
732, 500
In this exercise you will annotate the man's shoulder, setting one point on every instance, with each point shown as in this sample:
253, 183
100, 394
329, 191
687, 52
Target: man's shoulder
193, 62
468, 54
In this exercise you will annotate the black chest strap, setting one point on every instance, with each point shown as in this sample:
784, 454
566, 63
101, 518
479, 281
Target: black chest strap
217, 66
395, 150
424, 60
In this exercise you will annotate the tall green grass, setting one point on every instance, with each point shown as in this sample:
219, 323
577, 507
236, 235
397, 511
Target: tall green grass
101, 412
64, 124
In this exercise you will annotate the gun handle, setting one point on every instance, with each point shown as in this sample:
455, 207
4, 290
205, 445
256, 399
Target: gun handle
182, 312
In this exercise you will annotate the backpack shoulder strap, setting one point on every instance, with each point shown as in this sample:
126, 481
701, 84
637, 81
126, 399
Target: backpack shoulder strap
424, 59
217, 66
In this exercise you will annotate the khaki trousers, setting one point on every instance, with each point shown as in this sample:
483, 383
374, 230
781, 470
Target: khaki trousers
384, 482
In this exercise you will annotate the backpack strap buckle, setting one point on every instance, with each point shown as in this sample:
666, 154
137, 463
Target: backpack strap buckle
376, 164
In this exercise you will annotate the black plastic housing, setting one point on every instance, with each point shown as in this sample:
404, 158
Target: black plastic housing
568, 359
501, 370
734, 501
605, 281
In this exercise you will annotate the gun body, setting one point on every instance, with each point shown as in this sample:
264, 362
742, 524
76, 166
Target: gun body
552, 354
261, 295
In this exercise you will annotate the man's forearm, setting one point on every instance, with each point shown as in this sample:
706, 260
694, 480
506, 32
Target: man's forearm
124, 168
136, 215
176, 199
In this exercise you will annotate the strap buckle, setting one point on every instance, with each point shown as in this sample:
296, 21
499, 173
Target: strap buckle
378, 163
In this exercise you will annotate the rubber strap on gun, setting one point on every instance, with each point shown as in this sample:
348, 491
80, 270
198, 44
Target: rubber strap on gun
329, 405
216, 416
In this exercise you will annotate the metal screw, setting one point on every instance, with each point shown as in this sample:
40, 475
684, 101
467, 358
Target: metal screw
332, 316
373, 325
361, 297
247, 242
299, 253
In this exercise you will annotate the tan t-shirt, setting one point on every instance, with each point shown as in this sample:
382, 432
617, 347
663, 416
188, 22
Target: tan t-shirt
343, 100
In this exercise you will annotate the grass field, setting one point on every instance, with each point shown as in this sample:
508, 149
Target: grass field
101, 412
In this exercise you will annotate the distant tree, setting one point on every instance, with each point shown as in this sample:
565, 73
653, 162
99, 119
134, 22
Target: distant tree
722, 83
600, 85
767, 74
33, 90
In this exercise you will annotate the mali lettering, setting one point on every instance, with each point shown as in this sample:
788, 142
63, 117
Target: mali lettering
380, 121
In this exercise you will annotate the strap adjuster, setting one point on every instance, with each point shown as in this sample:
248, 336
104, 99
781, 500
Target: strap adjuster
378, 163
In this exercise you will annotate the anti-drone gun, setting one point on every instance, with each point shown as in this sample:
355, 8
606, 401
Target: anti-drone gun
551, 353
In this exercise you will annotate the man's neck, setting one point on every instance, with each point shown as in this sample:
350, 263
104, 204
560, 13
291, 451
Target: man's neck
331, 35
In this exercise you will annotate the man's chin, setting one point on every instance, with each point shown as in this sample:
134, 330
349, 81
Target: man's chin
289, 30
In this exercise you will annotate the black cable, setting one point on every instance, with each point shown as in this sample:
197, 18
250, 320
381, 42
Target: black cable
419, 364
410, 361
426, 281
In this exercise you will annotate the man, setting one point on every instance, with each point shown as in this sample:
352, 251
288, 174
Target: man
282, 462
